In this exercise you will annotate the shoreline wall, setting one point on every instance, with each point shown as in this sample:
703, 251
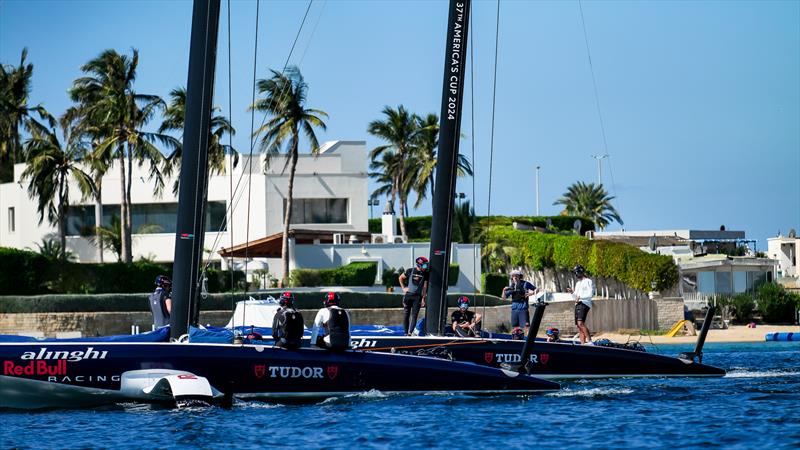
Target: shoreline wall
606, 315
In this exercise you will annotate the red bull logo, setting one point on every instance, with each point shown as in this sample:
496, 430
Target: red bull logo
32, 368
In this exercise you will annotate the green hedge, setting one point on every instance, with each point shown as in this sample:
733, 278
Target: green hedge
214, 302
776, 304
353, 274
626, 263
28, 273
493, 283
419, 227
390, 276
22, 272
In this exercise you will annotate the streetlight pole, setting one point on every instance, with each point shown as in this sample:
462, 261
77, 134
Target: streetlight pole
537, 190
372, 203
599, 159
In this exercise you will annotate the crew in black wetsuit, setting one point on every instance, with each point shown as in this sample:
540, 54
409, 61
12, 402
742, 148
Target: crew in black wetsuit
287, 326
415, 292
161, 301
465, 323
331, 325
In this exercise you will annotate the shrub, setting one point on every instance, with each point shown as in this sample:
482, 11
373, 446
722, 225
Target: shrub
353, 274
452, 274
742, 307
626, 263
220, 280
777, 305
22, 272
493, 283
214, 302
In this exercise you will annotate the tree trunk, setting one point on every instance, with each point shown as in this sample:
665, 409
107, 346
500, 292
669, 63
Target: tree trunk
287, 218
62, 232
98, 218
128, 221
397, 195
125, 253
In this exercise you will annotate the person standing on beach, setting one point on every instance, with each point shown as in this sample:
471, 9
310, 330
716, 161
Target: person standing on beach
584, 289
161, 301
414, 292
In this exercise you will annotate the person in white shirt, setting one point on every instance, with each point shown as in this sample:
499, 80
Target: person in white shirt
331, 325
584, 289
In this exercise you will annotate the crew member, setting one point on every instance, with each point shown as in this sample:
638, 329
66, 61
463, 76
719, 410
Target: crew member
584, 289
465, 322
553, 335
518, 291
331, 325
161, 301
415, 288
287, 326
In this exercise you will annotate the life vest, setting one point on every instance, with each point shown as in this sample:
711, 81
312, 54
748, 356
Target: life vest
518, 291
415, 280
289, 328
158, 306
338, 329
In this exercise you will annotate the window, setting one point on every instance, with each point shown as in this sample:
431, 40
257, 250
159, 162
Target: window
146, 218
318, 210
12, 225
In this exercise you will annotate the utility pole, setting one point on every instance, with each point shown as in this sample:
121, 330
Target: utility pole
537, 190
599, 159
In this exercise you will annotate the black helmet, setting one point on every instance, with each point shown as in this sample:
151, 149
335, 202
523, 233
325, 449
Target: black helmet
287, 299
163, 281
332, 298
578, 270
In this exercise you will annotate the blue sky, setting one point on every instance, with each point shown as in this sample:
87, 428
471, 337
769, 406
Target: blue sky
700, 100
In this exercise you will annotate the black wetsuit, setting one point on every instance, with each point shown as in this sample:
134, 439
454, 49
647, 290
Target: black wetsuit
412, 300
460, 316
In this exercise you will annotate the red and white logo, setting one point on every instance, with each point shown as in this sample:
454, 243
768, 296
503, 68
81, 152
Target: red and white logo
333, 371
260, 370
187, 376
544, 357
488, 357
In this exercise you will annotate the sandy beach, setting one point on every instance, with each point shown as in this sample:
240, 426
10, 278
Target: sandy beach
735, 333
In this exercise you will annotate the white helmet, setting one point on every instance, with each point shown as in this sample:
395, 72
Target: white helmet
516, 272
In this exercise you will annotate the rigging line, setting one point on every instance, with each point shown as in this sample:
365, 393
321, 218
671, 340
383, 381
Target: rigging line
250, 165
230, 154
597, 98
494, 98
249, 162
313, 30
474, 165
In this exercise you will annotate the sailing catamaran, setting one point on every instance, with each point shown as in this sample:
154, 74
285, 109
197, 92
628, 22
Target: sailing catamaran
88, 372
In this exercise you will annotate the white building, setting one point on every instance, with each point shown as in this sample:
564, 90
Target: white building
330, 193
704, 269
784, 250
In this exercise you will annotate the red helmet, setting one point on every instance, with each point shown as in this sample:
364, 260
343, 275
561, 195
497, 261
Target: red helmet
286, 299
332, 298
463, 302
422, 262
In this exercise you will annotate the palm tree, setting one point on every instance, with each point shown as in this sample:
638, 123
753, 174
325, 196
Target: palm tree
426, 143
591, 201
284, 103
50, 166
16, 113
51, 249
400, 129
107, 102
219, 126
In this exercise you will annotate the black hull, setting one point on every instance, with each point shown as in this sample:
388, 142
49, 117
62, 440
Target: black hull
549, 360
51, 374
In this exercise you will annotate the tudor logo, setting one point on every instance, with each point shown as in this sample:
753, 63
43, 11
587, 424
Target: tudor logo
488, 357
333, 371
260, 370
295, 372
544, 357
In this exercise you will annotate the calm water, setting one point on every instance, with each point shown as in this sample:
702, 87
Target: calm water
756, 406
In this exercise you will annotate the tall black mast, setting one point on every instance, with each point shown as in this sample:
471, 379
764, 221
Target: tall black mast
194, 164
455, 62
